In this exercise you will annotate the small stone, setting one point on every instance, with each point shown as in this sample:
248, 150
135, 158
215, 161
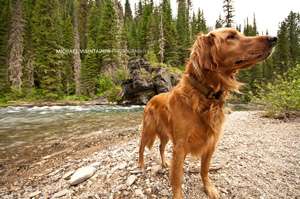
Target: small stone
82, 174
148, 190
136, 172
126, 193
164, 192
96, 164
194, 170
61, 193
155, 169
68, 175
131, 180
34, 194
122, 165
139, 193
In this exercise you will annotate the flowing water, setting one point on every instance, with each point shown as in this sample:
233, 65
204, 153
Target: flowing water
29, 133
31, 129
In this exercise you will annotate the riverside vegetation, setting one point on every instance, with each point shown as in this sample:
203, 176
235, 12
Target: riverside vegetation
32, 32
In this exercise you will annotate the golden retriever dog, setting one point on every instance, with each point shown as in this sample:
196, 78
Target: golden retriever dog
192, 114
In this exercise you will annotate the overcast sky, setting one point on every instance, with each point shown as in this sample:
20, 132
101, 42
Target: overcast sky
268, 12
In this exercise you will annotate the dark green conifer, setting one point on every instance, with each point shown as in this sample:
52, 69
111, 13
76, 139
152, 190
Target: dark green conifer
47, 36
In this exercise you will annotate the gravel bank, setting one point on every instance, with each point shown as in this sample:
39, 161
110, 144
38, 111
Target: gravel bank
257, 157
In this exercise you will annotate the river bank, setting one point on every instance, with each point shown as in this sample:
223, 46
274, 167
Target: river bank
257, 157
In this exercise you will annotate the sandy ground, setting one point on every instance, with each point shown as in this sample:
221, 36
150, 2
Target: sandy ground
257, 157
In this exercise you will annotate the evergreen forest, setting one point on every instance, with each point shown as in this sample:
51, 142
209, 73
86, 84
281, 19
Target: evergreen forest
77, 49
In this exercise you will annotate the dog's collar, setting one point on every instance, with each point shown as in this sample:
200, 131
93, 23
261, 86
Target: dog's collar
209, 94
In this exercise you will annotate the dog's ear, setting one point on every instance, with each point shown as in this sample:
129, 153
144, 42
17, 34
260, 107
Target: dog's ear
203, 53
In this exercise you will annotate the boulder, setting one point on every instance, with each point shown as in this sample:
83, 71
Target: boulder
162, 79
145, 81
140, 88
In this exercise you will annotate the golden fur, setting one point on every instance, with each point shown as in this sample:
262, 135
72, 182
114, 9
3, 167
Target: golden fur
185, 116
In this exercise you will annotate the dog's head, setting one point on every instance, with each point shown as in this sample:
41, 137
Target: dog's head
226, 51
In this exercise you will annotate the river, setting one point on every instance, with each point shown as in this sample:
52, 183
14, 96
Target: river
28, 132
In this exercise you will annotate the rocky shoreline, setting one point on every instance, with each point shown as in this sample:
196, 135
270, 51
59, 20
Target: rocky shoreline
257, 157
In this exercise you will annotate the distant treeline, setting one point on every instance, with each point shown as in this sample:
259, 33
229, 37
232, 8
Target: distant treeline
50, 49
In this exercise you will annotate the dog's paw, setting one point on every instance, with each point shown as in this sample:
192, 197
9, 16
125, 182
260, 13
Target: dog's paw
166, 164
212, 192
141, 165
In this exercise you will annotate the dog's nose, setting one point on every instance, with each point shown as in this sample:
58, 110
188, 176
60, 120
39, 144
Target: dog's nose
272, 39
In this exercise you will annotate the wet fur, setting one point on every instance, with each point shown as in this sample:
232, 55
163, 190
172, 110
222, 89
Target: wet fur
185, 116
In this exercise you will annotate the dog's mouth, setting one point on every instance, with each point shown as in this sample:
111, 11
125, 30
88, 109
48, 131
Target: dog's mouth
257, 58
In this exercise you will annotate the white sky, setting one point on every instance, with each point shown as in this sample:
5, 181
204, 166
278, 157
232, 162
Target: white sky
268, 12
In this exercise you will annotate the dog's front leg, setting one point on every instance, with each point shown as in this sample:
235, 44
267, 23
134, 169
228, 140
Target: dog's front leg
176, 170
210, 190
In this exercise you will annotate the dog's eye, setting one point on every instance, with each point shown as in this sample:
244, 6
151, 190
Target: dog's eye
233, 36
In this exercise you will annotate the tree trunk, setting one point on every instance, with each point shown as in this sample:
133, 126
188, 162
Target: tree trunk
15, 42
77, 60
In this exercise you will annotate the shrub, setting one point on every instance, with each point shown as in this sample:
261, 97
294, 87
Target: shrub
104, 83
282, 97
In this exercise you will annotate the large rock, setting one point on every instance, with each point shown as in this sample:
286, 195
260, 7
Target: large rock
140, 88
163, 79
145, 81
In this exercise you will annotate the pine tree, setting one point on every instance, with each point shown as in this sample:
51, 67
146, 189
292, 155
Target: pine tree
255, 32
143, 32
47, 38
182, 28
107, 37
202, 22
77, 59
121, 43
293, 28
5, 19
90, 71
68, 43
219, 22
282, 50
83, 10
128, 12
229, 13
170, 35
15, 43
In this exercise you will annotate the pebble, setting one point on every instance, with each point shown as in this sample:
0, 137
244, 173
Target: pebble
139, 193
122, 165
61, 193
68, 175
155, 169
164, 192
131, 180
82, 174
34, 194
96, 164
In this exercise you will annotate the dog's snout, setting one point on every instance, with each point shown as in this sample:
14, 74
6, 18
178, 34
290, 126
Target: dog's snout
272, 39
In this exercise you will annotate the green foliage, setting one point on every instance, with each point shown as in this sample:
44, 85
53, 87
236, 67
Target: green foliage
68, 43
115, 95
228, 10
104, 83
170, 34
47, 38
282, 97
107, 34
5, 19
151, 57
183, 31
